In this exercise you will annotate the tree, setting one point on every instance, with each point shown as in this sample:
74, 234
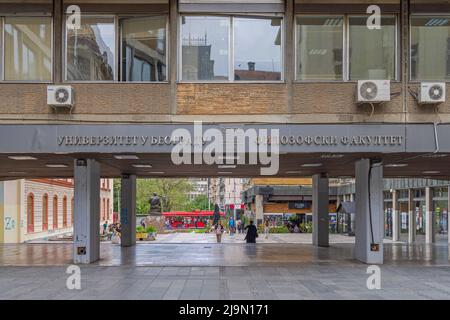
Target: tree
198, 203
172, 192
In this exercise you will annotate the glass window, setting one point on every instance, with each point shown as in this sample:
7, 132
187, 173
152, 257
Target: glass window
144, 55
205, 48
28, 49
320, 47
91, 50
372, 53
430, 32
257, 49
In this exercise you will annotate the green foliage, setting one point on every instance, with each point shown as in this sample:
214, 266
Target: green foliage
199, 203
282, 229
172, 192
306, 227
140, 229
150, 229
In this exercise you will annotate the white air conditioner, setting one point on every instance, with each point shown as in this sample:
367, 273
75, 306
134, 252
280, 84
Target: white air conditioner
432, 92
374, 91
60, 96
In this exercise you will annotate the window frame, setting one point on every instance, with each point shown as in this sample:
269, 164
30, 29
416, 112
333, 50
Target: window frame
55, 213
2, 49
64, 45
167, 44
30, 215
411, 16
117, 47
346, 47
231, 32
45, 212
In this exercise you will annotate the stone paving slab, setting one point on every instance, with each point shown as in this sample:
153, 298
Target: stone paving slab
230, 283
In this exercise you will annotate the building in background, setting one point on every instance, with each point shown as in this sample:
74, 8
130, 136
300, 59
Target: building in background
227, 192
33, 209
200, 187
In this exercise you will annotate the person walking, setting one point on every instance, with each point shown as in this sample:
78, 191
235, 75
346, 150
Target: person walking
231, 226
219, 231
266, 229
252, 233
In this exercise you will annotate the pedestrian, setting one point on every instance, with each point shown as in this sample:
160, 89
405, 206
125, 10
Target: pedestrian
266, 229
252, 233
231, 226
219, 231
239, 225
105, 227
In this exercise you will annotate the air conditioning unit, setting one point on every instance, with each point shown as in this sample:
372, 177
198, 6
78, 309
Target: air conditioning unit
60, 96
374, 91
432, 93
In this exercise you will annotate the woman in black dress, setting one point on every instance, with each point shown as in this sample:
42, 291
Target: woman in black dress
252, 233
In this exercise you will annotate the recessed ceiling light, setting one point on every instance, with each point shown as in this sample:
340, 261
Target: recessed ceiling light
311, 165
126, 157
431, 172
17, 172
20, 158
224, 166
56, 165
332, 156
293, 172
396, 165
155, 172
142, 165
435, 156
224, 172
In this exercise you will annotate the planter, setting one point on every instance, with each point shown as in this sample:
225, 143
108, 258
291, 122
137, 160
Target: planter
141, 235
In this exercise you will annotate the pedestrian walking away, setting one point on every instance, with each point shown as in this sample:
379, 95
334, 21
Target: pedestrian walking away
252, 233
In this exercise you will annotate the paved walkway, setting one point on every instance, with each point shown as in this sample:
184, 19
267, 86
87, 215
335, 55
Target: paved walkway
224, 271
192, 237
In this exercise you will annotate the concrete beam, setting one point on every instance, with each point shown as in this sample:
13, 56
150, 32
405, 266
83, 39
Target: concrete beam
86, 244
320, 215
369, 224
128, 211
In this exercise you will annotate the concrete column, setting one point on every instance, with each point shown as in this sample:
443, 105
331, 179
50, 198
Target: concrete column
128, 210
259, 209
320, 215
429, 216
369, 220
86, 244
396, 228
352, 197
448, 218
411, 217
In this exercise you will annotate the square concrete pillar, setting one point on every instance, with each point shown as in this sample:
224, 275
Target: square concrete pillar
320, 215
259, 209
128, 211
411, 217
429, 216
396, 231
369, 220
86, 240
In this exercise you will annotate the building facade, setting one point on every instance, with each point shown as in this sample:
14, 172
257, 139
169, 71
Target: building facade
43, 208
344, 88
